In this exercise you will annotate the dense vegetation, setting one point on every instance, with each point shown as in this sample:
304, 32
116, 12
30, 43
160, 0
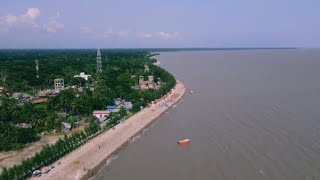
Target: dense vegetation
121, 70
50, 153
15, 137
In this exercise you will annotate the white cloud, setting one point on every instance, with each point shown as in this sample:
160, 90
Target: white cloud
123, 34
28, 19
8, 20
53, 25
86, 29
32, 13
145, 35
168, 35
111, 33
108, 32
30, 16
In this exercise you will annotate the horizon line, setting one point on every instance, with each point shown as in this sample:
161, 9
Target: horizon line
169, 48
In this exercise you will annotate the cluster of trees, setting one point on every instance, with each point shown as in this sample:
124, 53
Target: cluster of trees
115, 118
121, 70
18, 71
50, 153
14, 138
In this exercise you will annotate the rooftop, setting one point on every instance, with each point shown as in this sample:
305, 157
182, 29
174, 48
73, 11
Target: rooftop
38, 100
101, 112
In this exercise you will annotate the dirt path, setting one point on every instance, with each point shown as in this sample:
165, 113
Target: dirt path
11, 158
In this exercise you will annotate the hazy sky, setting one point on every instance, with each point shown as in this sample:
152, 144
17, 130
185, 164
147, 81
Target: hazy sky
162, 23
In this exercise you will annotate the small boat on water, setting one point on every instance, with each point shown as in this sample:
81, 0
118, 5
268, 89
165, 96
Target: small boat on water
185, 141
191, 92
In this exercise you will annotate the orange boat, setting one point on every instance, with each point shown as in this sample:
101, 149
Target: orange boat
185, 141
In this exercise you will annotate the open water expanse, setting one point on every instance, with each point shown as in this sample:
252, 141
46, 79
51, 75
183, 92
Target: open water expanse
255, 116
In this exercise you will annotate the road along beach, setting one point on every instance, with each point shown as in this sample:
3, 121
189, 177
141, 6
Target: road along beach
85, 161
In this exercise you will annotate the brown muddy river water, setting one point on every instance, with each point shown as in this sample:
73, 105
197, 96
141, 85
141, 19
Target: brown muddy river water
255, 115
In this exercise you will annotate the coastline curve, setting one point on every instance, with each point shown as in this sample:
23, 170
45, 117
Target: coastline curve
87, 160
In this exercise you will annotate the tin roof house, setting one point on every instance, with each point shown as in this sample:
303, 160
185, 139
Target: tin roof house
101, 113
38, 100
65, 126
104, 120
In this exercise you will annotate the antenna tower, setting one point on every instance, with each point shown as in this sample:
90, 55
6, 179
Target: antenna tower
99, 64
37, 69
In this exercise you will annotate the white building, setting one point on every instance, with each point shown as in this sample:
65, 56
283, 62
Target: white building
83, 75
146, 68
58, 84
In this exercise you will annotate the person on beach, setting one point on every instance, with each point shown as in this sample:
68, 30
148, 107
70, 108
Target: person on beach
99, 147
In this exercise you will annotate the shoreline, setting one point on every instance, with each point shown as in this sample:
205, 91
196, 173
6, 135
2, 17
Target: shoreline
87, 160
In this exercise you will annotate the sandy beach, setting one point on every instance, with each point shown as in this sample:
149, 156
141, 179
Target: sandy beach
87, 159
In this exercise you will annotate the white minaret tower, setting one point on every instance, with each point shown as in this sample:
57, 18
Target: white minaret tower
37, 68
99, 64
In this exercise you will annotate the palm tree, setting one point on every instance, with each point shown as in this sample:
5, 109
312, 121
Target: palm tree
37, 122
65, 99
9, 108
123, 112
27, 166
5, 174
3, 78
37, 160
83, 136
76, 106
